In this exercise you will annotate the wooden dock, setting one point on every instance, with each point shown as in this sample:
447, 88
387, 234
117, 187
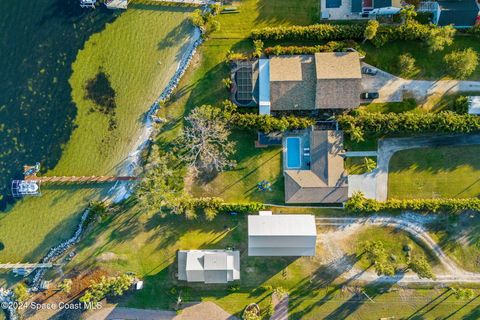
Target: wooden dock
25, 265
82, 179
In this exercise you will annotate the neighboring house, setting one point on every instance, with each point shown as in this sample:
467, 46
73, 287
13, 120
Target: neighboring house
354, 9
208, 266
474, 105
281, 234
313, 167
330, 80
460, 13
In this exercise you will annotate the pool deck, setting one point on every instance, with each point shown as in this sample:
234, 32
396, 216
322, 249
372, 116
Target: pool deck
305, 143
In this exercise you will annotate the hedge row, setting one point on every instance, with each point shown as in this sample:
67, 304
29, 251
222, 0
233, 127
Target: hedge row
314, 32
358, 203
411, 30
330, 46
360, 123
267, 123
220, 205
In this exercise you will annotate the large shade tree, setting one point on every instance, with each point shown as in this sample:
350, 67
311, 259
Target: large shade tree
206, 141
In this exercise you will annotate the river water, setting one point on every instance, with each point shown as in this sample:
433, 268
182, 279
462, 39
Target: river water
39, 41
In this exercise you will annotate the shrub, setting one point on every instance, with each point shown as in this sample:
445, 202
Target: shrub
421, 267
107, 286
258, 48
21, 292
65, 286
331, 46
315, 32
267, 123
439, 38
371, 29
411, 30
359, 123
358, 203
460, 105
406, 64
461, 64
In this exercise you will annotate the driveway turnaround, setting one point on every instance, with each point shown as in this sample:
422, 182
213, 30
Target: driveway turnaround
452, 273
375, 184
392, 88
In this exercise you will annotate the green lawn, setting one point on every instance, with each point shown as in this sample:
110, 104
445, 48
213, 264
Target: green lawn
435, 172
357, 165
431, 65
394, 241
139, 51
458, 235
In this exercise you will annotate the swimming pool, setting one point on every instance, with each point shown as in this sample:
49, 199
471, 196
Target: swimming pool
294, 160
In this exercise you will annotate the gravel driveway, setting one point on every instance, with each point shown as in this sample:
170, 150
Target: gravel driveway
392, 88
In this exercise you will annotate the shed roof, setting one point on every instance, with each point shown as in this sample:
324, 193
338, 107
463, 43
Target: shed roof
282, 225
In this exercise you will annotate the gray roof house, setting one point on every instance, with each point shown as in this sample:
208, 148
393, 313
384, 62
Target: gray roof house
208, 266
328, 80
281, 234
313, 167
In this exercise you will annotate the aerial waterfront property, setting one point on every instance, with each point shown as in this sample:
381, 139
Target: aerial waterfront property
239, 160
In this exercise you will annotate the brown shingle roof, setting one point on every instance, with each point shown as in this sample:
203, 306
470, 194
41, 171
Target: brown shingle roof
292, 83
338, 93
337, 65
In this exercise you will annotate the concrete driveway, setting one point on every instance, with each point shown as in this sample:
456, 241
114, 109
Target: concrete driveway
392, 88
375, 184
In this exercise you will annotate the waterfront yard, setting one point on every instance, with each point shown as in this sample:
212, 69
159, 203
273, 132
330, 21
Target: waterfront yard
450, 172
139, 52
203, 85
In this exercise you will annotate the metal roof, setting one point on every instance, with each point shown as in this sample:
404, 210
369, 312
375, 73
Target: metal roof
282, 225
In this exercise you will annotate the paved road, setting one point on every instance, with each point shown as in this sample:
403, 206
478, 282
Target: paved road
116, 313
375, 184
417, 231
393, 88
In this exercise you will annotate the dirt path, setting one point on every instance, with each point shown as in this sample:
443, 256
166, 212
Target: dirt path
280, 311
345, 227
374, 184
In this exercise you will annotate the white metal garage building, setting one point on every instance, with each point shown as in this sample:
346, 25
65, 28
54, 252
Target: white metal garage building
281, 234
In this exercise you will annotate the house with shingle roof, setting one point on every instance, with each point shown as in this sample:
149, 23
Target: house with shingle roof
208, 266
329, 80
314, 167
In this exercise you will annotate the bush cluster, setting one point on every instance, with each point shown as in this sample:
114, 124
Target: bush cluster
357, 124
267, 123
330, 46
358, 203
316, 32
412, 30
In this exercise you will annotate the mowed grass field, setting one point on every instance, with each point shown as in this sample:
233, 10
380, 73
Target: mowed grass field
203, 85
450, 172
139, 51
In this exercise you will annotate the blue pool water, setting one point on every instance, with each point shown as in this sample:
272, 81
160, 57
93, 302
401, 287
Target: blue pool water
333, 3
293, 153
